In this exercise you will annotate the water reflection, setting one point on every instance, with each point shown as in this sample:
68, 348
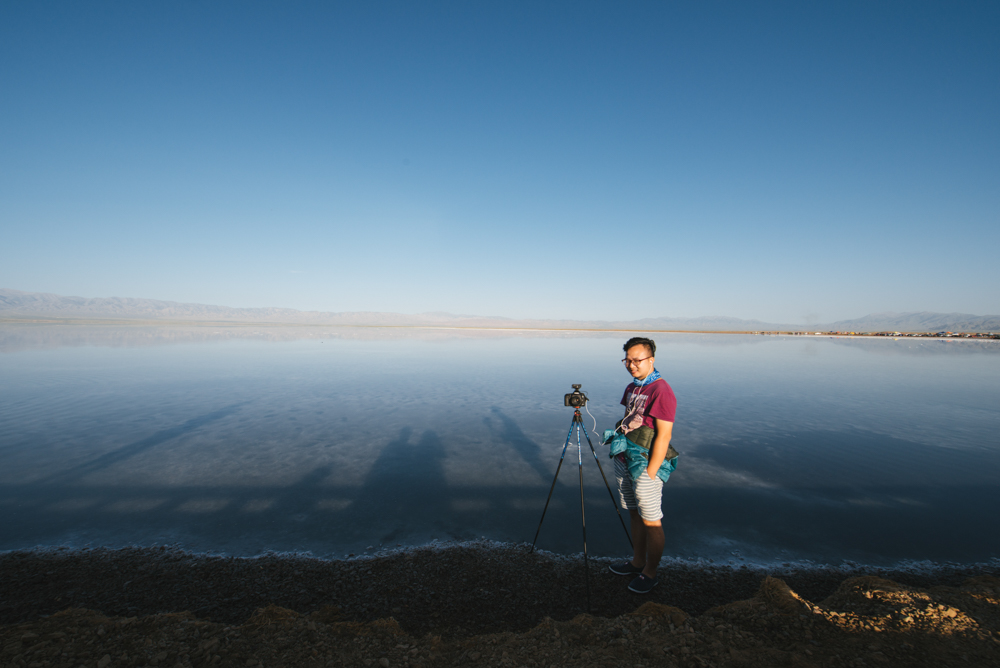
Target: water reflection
819, 448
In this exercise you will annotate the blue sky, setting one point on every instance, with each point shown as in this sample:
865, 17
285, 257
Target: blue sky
794, 162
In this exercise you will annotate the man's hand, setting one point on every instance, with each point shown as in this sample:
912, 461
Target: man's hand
661, 442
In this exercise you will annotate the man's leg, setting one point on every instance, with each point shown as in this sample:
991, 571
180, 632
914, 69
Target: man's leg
626, 492
648, 495
638, 539
653, 539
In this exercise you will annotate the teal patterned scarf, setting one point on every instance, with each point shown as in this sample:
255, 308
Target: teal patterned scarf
648, 379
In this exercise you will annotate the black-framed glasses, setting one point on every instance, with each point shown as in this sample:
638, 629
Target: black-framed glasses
628, 362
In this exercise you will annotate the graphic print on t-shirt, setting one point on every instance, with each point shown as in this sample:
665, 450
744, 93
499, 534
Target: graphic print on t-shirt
633, 411
644, 405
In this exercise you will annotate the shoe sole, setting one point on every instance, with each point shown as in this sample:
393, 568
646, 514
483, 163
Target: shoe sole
642, 591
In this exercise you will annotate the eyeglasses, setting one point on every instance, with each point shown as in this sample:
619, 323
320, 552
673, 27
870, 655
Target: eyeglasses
628, 362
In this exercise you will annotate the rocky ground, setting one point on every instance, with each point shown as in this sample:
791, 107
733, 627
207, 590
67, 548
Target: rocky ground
479, 604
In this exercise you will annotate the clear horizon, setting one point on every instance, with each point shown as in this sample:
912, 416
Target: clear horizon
777, 162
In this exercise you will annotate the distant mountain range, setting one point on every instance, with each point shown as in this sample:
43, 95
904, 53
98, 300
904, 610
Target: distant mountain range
15, 304
922, 321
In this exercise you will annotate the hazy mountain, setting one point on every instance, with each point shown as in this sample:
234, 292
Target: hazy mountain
923, 321
18, 304
14, 303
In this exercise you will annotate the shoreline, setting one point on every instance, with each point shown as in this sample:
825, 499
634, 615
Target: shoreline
774, 567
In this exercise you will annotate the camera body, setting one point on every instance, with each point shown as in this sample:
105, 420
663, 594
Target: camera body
576, 398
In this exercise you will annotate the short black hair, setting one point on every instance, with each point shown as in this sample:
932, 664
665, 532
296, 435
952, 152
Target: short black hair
640, 341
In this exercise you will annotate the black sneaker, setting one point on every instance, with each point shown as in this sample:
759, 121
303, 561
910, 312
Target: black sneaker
625, 568
643, 584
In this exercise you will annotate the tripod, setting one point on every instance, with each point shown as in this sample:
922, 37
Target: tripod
578, 424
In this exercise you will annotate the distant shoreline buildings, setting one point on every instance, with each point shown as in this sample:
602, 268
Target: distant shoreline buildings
895, 335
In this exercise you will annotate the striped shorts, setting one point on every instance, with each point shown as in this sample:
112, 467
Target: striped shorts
643, 494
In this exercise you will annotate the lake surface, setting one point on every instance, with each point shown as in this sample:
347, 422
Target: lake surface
243, 440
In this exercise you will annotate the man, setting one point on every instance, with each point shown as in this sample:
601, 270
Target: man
646, 460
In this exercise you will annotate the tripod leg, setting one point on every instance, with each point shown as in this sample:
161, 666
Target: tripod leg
583, 514
556, 477
610, 493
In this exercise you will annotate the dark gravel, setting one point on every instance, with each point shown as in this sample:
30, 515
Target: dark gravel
480, 604
452, 590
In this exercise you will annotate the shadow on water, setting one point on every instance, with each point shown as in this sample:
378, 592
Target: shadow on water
159, 438
406, 482
509, 433
297, 500
405, 498
861, 496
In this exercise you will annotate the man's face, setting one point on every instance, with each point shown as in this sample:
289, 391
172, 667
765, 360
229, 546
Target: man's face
639, 361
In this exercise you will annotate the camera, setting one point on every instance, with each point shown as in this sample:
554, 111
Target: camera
576, 398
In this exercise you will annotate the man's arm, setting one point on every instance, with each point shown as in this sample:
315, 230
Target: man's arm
660, 444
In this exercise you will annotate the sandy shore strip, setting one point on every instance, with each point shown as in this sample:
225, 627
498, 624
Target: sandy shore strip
496, 601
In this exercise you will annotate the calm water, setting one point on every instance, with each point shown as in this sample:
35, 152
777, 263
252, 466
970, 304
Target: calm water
243, 440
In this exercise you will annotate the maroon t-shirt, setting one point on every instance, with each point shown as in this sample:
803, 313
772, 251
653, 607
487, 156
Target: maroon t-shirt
643, 404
